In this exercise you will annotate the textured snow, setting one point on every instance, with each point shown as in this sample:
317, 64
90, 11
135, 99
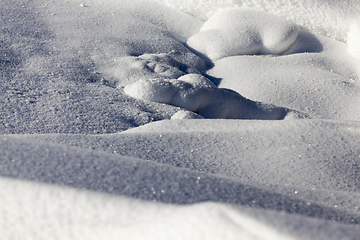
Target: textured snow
304, 191
102, 129
39, 208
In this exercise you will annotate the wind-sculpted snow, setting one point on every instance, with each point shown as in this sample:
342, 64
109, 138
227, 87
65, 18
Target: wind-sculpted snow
238, 31
196, 93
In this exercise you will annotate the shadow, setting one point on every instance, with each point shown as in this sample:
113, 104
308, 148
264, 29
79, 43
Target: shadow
9, 59
207, 60
216, 81
209, 64
306, 42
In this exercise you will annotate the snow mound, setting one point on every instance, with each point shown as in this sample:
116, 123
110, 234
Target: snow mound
198, 94
156, 90
238, 31
192, 91
329, 18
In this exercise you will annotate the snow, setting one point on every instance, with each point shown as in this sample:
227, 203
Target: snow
118, 216
331, 18
196, 93
183, 114
238, 31
320, 84
191, 119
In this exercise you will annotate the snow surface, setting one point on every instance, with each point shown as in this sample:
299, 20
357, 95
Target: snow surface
107, 122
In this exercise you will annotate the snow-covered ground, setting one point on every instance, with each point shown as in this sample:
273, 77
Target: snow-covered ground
190, 119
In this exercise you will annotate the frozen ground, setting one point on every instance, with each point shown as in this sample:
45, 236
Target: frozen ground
186, 119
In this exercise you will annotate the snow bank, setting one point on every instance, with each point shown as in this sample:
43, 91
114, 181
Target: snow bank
238, 31
196, 93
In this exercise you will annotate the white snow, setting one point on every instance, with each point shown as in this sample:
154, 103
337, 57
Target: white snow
38, 208
196, 93
238, 31
108, 129
321, 84
183, 114
329, 18
353, 40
